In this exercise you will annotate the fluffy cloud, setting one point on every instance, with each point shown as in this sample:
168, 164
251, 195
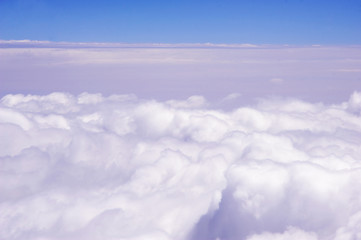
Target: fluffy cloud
119, 167
291, 233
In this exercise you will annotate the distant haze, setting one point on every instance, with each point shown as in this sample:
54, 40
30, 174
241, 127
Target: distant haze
177, 71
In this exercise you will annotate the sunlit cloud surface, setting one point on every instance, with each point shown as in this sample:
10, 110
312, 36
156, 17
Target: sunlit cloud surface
119, 167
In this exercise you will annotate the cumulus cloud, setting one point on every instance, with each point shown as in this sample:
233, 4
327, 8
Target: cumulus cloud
291, 233
231, 97
119, 167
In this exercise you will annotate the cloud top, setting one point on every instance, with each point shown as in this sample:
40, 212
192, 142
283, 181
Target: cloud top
119, 167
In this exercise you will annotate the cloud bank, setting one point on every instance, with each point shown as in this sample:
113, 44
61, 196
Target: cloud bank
119, 167
177, 71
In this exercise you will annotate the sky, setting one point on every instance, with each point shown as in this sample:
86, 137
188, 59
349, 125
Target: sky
211, 48
215, 21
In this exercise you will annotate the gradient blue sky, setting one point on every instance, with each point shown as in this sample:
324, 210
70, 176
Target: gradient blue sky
227, 21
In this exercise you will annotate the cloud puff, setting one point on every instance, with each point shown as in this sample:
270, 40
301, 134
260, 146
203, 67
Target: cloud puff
291, 233
119, 167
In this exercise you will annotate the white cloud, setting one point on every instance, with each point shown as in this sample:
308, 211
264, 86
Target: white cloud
118, 167
354, 104
231, 97
276, 80
290, 234
191, 102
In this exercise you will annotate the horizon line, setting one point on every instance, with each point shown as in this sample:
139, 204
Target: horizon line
23, 43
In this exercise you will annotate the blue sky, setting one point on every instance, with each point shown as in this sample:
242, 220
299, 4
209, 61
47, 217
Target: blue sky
137, 21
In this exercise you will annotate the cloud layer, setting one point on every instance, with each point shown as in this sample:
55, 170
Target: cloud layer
119, 167
177, 71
